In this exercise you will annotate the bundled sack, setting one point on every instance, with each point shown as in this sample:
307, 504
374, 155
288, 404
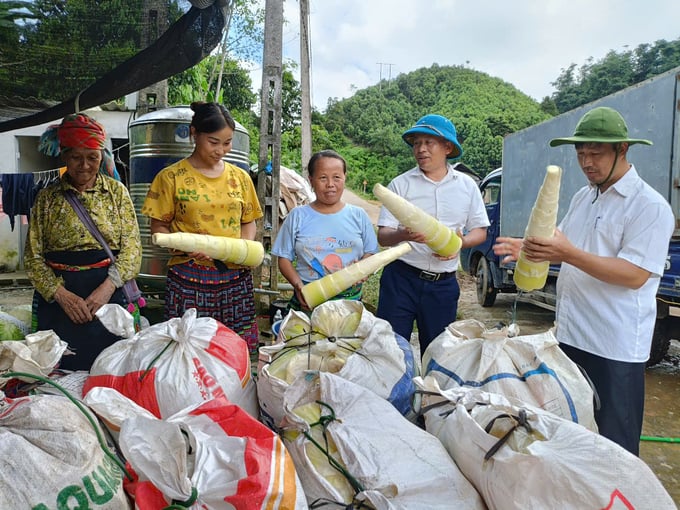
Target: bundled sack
177, 363
211, 456
36, 354
341, 337
519, 456
52, 458
68, 382
352, 447
529, 368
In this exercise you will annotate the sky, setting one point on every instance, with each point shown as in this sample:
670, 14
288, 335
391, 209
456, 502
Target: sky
527, 43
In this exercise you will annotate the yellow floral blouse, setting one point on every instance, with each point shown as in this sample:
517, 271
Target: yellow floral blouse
194, 203
55, 226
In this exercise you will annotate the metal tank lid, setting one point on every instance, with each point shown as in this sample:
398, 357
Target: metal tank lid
181, 113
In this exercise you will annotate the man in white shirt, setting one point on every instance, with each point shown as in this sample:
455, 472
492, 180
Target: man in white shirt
422, 285
612, 246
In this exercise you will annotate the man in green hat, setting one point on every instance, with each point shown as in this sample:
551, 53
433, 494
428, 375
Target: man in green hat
612, 246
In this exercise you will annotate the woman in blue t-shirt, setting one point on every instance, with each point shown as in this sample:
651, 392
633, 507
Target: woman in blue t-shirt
326, 235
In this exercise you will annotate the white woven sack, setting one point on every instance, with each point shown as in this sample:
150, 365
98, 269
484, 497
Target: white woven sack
529, 368
38, 353
371, 354
398, 465
177, 363
212, 453
548, 463
51, 458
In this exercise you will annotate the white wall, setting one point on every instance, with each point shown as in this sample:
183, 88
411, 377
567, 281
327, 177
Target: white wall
19, 154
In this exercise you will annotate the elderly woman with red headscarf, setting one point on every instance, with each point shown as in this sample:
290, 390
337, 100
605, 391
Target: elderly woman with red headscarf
70, 269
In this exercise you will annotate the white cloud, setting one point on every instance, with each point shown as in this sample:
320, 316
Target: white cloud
525, 42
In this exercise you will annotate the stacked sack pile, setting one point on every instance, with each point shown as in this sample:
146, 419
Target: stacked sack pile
339, 417
179, 409
517, 417
339, 387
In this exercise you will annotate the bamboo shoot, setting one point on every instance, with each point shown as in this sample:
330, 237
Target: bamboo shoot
227, 249
323, 461
440, 238
331, 285
533, 275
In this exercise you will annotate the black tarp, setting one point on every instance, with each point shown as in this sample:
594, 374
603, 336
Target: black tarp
184, 44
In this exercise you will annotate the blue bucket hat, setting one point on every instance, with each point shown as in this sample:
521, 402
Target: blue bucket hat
435, 125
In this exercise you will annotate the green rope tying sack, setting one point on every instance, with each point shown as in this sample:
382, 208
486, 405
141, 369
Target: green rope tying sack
152, 363
324, 421
83, 409
180, 505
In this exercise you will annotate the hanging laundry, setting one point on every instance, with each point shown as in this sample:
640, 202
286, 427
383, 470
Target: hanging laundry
19, 191
18, 194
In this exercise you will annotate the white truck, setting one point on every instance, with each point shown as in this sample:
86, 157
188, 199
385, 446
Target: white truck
652, 111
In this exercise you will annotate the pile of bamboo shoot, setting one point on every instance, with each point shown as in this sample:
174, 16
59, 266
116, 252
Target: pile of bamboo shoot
542, 222
440, 238
331, 285
227, 249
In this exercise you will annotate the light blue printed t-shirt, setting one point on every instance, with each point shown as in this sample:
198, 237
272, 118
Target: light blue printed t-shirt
324, 243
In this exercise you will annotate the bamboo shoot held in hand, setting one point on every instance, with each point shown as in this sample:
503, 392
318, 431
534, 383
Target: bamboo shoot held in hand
227, 249
440, 238
542, 222
331, 285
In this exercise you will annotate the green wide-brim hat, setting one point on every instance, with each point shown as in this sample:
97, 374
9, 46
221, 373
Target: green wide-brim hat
600, 125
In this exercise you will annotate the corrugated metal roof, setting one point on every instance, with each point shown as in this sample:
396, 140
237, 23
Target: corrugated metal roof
14, 107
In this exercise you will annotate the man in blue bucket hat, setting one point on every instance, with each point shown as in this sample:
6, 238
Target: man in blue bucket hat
422, 285
612, 245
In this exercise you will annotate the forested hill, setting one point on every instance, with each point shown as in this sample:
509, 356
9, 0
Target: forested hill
484, 109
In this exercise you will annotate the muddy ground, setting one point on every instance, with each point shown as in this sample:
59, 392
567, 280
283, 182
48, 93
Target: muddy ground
662, 410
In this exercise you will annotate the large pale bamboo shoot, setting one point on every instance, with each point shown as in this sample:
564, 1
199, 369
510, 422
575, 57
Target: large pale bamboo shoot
331, 285
227, 249
440, 238
533, 275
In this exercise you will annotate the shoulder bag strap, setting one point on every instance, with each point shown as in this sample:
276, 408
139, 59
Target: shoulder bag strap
130, 289
88, 222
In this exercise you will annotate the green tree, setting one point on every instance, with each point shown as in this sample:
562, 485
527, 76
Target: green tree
13, 15
484, 110
615, 71
548, 106
291, 98
74, 42
194, 85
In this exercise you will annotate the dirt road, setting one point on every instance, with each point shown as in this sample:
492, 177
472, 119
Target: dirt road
371, 208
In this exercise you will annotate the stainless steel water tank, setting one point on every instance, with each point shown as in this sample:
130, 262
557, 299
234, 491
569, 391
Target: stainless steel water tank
158, 139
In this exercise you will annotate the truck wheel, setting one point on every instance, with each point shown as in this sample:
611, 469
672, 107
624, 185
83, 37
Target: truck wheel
661, 341
486, 292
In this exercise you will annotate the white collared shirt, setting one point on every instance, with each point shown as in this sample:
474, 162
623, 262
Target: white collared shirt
630, 221
455, 201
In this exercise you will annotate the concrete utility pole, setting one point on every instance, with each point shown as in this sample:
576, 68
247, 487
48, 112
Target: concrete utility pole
306, 127
268, 190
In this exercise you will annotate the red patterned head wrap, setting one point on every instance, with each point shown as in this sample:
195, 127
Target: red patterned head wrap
78, 131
